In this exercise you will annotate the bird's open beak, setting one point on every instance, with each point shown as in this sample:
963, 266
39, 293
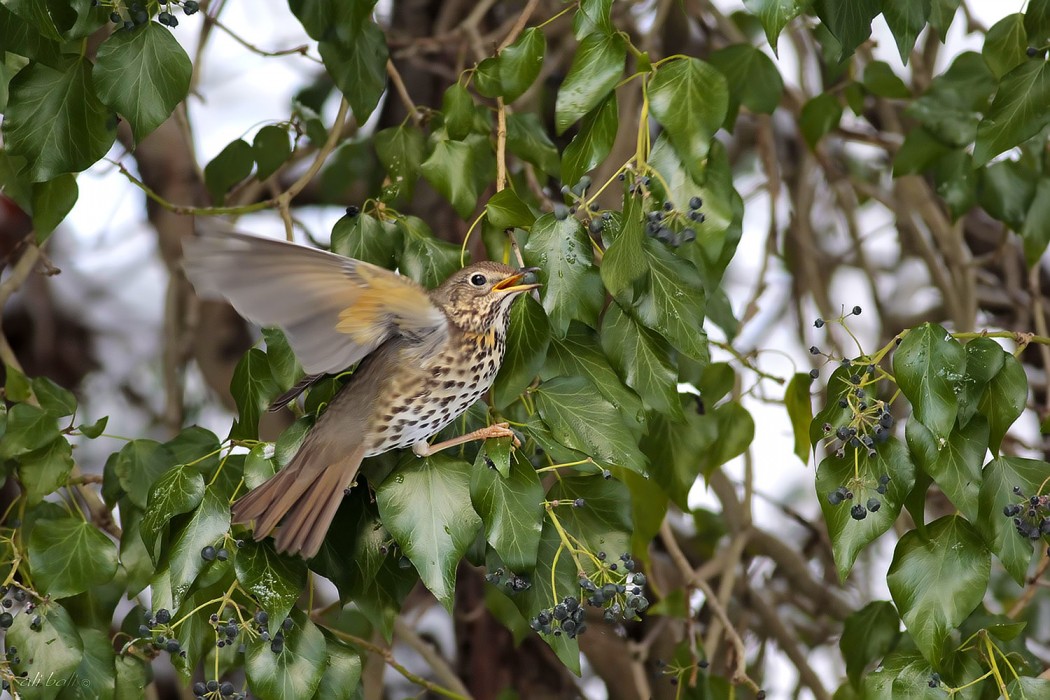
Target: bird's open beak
510, 284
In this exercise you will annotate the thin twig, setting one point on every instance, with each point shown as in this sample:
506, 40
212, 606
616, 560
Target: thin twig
789, 643
402, 92
680, 560
436, 662
519, 24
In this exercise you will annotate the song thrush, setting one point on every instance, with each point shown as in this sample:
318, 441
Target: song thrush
424, 357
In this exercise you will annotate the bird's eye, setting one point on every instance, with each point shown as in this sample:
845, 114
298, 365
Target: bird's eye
478, 280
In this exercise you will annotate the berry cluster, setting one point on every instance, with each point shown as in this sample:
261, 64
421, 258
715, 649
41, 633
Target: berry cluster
510, 584
614, 586
137, 13
858, 511
277, 643
225, 631
18, 598
157, 628
212, 689
674, 227
564, 618
1031, 516
210, 553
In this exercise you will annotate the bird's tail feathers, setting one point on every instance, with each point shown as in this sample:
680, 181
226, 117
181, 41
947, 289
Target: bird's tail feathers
303, 498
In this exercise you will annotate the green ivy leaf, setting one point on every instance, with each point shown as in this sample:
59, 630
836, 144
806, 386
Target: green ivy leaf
919, 150
143, 74
28, 428
511, 509
592, 16
69, 556
506, 210
252, 387
424, 258
596, 68
936, 581
510, 74
580, 418
35, 15
43, 471
57, 401
752, 78
1017, 113
457, 108
774, 16
879, 79
207, 526
593, 142
1004, 400
998, 481
956, 464
572, 288
138, 465
849, 22
284, 366
177, 491
819, 116
1035, 232
364, 237
528, 336
528, 140
356, 557
929, 366
55, 121
52, 202
1037, 22
984, 360
425, 504
906, 18
690, 99
643, 359
56, 646
799, 406
273, 579
674, 304
233, 164
1005, 45
579, 354
459, 169
357, 64
850, 536
295, 671
401, 150
868, 635
272, 148
134, 558
674, 449
342, 671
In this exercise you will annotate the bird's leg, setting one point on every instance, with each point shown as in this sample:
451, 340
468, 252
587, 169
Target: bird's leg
497, 430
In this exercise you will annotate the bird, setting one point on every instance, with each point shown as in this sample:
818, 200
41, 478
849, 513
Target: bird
423, 358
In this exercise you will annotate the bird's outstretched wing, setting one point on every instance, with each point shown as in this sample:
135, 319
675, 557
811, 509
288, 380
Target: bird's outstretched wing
334, 310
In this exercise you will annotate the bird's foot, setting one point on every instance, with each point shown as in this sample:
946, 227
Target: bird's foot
496, 430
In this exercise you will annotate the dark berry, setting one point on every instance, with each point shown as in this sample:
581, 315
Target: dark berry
115, 18
6, 620
884, 479
287, 624
835, 497
814, 374
1031, 52
20, 595
695, 203
173, 646
874, 504
819, 323
226, 688
208, 553
163, 616
814, 350
856, 311
213, 686
199, 688
579, 503
222, 555
858, 512
561, 212
190, 6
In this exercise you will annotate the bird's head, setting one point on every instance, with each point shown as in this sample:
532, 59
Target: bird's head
479, 296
